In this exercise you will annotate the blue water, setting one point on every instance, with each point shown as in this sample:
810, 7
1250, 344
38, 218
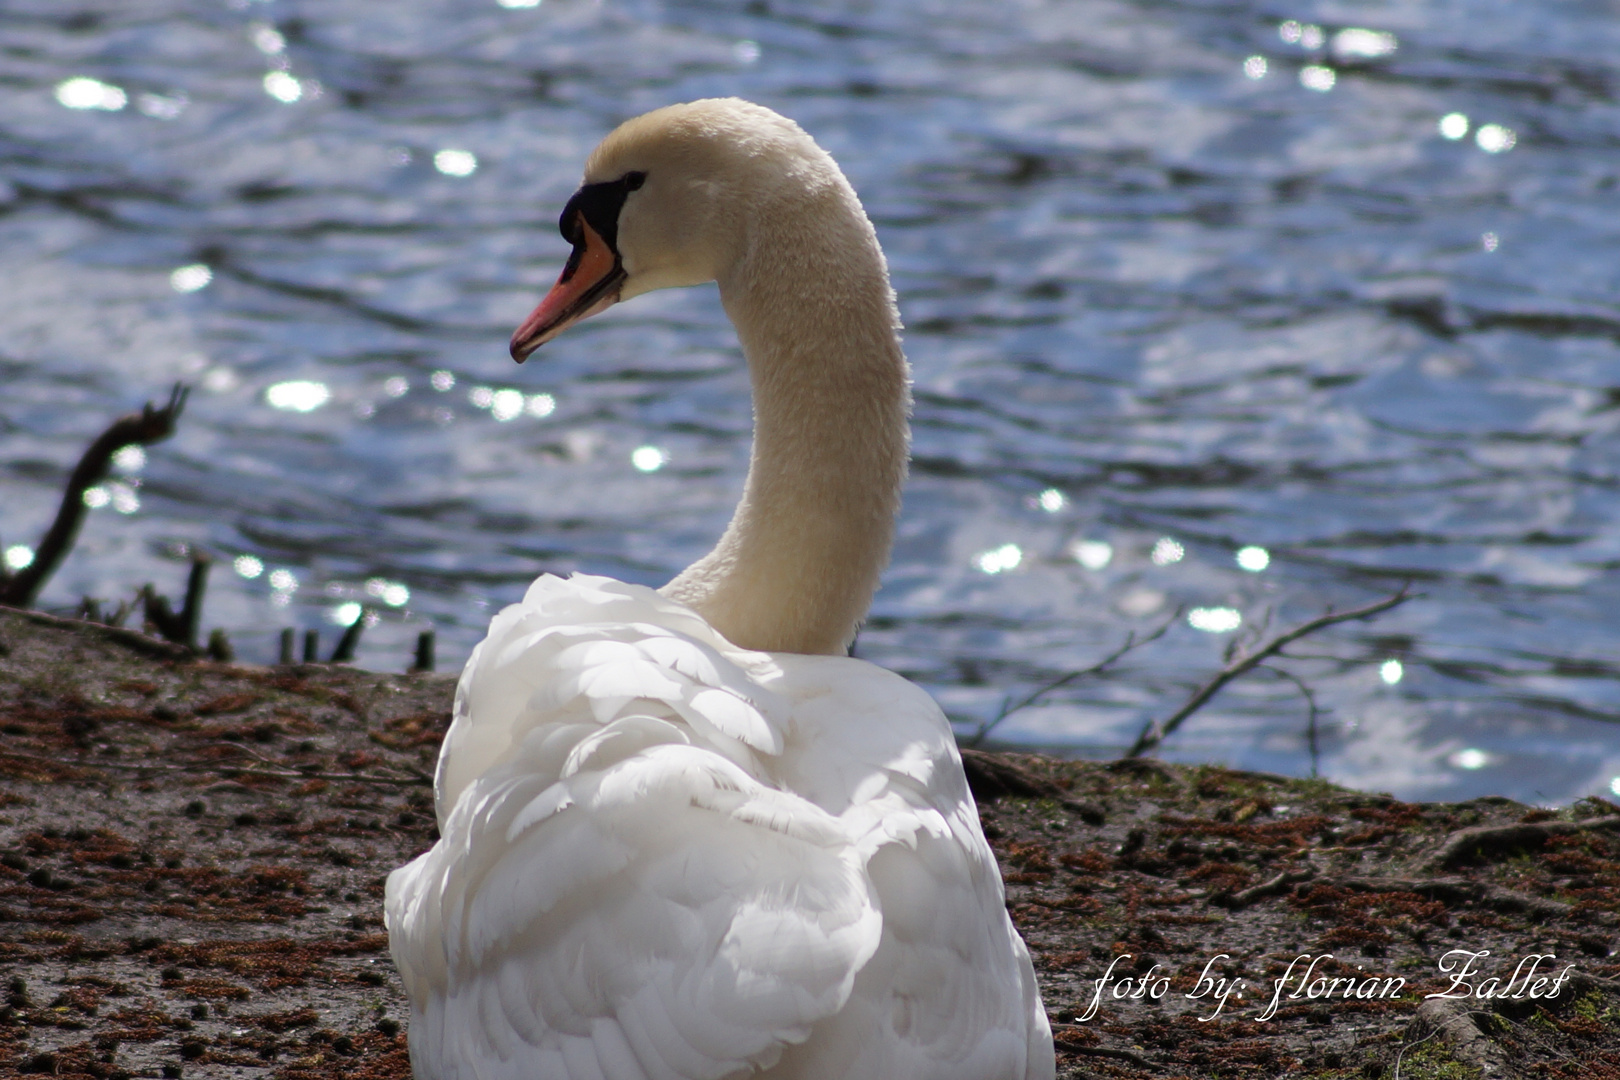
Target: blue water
1154, 302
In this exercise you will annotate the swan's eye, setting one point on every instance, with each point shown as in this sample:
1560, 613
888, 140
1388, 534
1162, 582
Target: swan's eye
599, 205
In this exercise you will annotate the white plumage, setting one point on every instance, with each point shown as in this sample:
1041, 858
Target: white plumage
665, 855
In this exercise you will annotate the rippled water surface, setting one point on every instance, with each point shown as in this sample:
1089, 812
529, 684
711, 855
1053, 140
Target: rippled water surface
1180, 279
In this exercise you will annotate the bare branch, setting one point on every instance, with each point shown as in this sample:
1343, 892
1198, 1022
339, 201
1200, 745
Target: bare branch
1316, 711
1008, 707
1156, 731
148, 426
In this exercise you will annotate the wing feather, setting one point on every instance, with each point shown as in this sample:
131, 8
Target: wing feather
615, 891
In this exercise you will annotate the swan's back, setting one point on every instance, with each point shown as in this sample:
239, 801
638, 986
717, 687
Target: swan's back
663, 856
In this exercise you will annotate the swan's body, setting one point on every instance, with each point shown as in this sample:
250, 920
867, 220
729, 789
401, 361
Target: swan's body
684, 836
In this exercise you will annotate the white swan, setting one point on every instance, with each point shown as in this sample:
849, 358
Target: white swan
683, 835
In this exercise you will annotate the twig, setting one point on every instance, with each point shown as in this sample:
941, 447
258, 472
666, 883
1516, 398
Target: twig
1107, 1052
1408, 1046
1008, 708
1316, 711
146, 427
1156, 731
1279, 884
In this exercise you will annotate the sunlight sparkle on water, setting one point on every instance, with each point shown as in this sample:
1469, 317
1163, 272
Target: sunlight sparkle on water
130, 459
1255, 67
1454, 125
515, 4
190, 278
481, 397
1318, 78
506, 405
1614, 785
392, 593
19, 557
96, 497
456, 162
1051, 500
1495, 139
283, 87
345, 614
1253, 559
161, 106
1363, 44
745, 52
442, 380
219, 380
648, 458
1305, 35
123, 498
267, 39
1166, 551
1092, 554
1489, 241
87, 93
298, 395
396, 386
283, 580
1140, 603
1005, 557
1391, 671
541, 405
247, 566
1470, 758
1215, 620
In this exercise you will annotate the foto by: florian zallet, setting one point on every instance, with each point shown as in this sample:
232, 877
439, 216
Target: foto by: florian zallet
1302, 982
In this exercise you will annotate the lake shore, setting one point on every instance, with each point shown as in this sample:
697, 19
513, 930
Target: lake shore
192, 859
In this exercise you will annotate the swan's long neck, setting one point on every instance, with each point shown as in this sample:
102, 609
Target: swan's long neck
810, 298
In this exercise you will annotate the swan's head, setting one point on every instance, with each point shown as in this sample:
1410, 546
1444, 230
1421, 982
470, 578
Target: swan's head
668, 199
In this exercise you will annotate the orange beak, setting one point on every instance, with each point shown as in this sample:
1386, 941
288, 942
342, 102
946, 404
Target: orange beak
589, 284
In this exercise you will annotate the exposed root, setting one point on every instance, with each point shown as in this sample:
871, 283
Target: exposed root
1488, 842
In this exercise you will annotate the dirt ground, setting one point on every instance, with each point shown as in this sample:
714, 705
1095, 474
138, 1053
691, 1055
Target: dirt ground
192, 859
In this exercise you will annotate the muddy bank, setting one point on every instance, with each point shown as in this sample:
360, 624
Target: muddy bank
192, 859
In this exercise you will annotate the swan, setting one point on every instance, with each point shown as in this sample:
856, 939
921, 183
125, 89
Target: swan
683, 834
